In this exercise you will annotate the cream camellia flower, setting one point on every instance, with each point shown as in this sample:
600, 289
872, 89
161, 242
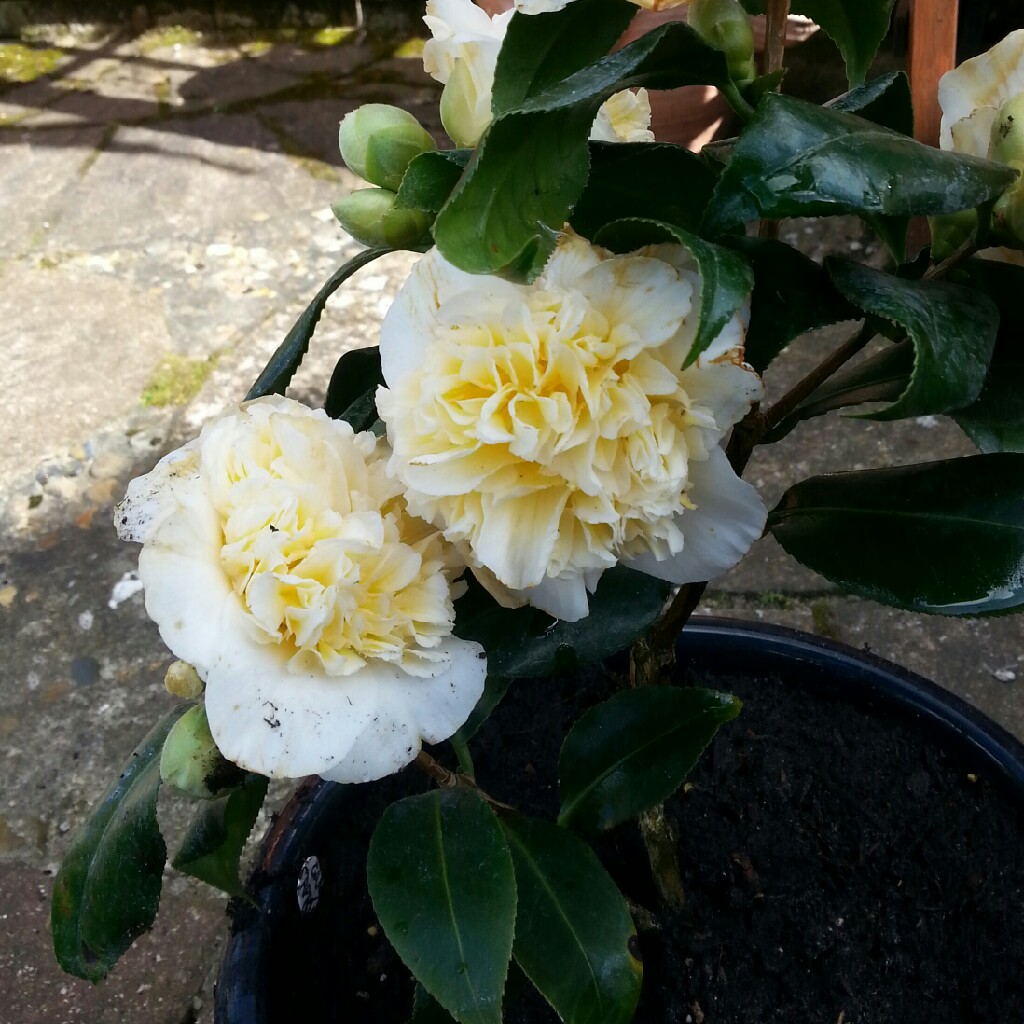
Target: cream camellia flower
462, 55
972, 95
980, 99
552, 431
280, 560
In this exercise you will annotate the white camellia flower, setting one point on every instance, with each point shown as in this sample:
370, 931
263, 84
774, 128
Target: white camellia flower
972, 95
463, 54
280, 560
975, 97
551, 430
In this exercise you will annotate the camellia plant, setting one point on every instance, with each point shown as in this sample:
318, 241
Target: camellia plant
541, 465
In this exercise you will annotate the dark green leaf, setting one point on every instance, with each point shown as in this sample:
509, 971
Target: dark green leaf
277, 374
353, 387
443, 887
540, 50
634, 750
573, 929
726, 279
885, 101
527, 642
882, 377
644, 179
108, 888
943, 537
531, 166
426, 1009
799, 160
995, 422
792, 295
495, 688
430, 178
856, 26
212, 848
953, 330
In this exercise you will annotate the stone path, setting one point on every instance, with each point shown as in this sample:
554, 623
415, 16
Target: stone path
165, 201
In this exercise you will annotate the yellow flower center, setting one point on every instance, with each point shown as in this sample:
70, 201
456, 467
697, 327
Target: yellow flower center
319, 547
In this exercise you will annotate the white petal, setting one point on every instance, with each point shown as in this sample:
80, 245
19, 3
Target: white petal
718, 533
729, 389
562, 598
282, 723
411, 710
973, 134
988, 80
152, 498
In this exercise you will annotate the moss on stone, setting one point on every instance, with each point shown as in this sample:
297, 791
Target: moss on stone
164, 38
176, 380
21, 63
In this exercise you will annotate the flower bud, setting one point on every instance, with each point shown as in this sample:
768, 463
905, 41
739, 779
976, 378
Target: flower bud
378, 142
465, 106
370, 216
1007, 140
1008, 213
725, 25
191, 762
182, 680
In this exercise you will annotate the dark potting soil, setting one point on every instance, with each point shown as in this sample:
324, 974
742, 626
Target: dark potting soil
839, 870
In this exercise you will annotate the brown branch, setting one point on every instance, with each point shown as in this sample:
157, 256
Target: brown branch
450, 780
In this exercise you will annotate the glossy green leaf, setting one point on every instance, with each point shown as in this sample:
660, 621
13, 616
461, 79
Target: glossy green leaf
540, 50
531, 166
952, 328
644, 179
885, 100
943, 537
726, 279
430, 178
443, 887
995, 421
426, 1009
527, 642
495, 688
353, 387
799, 160
108, 888
883, 377
284, 363
573, 930
792, 295
212, 848
856, 26
634, 750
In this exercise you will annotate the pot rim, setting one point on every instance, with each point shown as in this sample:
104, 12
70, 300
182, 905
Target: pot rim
813, 662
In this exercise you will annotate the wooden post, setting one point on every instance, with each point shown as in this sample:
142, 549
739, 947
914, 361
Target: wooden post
932, 54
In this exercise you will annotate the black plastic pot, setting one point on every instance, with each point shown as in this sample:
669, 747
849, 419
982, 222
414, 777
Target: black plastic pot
273, 959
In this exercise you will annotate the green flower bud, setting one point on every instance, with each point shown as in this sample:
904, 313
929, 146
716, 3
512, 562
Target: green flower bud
182, 680
725, 25
1008, 213
1007, 141
191, 762
379, 141
950, 231
370, 216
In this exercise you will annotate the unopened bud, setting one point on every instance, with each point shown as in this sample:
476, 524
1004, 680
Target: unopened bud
182, 680
379, 141
1008, 213
191, 762
725, 25
465, 106
370, 216
1006, 144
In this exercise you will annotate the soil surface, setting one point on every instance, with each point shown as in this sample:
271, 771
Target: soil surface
839, 869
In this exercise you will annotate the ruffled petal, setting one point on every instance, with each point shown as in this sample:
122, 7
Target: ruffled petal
729, 517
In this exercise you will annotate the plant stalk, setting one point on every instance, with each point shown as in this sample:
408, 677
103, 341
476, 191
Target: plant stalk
777, 16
